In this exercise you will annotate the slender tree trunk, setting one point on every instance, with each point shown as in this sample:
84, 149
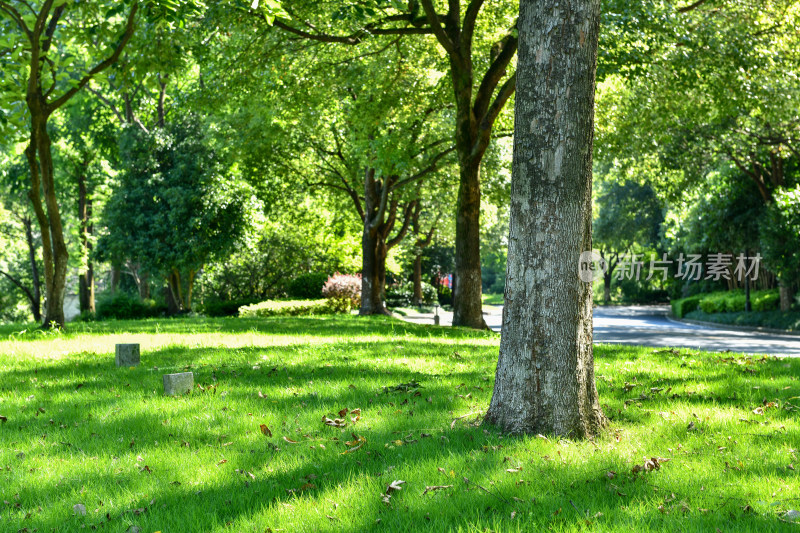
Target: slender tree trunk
786, 292
36, 293
417, 278
144, 285
189, 290
54, 248
116, 275
467, 304
545, 374
607, 288
86, 276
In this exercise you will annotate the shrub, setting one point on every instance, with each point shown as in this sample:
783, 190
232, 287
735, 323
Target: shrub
345, 289
445, 296
289, 308
680, 308
122, 305
225, 307
307, 286
402, 294
765, 300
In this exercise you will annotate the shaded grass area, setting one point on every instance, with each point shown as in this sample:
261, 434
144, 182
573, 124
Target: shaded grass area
80, 431
788, 320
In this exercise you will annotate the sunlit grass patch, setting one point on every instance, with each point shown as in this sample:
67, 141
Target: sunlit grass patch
722, 428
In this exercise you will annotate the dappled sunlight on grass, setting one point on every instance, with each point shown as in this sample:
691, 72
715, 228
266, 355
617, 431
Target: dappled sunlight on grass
80, 430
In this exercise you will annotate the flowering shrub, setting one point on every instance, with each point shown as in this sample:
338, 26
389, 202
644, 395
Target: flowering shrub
289, 308
344, 289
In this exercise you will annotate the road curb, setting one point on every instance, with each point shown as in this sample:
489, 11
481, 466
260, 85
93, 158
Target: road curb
717, 325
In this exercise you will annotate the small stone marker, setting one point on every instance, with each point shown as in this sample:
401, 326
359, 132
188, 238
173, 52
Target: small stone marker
175, 384
127, 354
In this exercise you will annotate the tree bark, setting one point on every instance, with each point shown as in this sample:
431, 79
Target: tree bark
417, 280
86, 276
467, 304
786, 292
36, 292
372, 263
545, 374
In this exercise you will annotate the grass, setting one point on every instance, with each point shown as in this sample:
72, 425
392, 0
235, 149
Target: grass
787, 320
493, 299
80, 431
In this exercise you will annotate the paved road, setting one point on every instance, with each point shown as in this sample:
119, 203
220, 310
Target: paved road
650, 326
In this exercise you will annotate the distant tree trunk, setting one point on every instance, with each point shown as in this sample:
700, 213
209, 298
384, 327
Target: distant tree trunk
422, 243
786, 292
143, 280
36, 292
417, 280
86, 276
116, 275
467, 304
545, 374
373, 263
607, 288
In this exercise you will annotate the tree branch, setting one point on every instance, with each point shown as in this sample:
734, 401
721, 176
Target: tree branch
16, 17
129, 28
692, 6
487, 123
495, 73
437, 29
397, 239
424, 172
470, 17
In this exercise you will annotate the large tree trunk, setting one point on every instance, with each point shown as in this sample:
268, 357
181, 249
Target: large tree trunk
36, 293
467, 305
545, 374
373, 268
786, 292
86, 276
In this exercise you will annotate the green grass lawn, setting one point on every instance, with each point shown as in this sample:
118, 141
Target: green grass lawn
80, 431
492, 299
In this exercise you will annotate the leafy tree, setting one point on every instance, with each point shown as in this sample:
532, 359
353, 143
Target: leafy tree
176, 207
480, 82
780, 238
629, 214
53, 49
19, 244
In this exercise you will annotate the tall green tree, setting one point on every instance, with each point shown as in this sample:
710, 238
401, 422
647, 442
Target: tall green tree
482, 82
51, 50
177, 206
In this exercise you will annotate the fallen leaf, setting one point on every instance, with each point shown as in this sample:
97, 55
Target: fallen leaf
222, 462
343, 412
357, 443
434, 488
290, 441
337, 423
265, 430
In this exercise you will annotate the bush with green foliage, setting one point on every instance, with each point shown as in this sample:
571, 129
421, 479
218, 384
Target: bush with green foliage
726, 302
307, 286
344, 290
225, 307
122, 306
445, 295
402, 294
680, 308
290, 308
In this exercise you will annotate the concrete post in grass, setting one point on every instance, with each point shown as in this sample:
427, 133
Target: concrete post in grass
177, 384
127, 354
